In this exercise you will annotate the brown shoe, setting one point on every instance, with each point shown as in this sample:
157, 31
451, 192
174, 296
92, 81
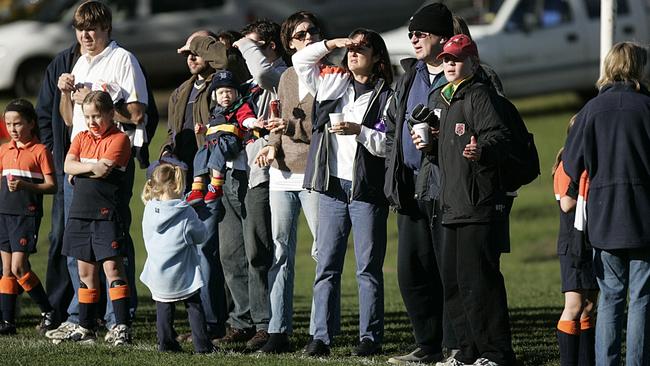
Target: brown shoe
235, 335
185, 337
258, 341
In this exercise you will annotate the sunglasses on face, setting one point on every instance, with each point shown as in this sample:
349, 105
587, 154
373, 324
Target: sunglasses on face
300, 35
418, 34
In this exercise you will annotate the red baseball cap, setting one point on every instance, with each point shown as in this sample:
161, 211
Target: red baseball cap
460, 46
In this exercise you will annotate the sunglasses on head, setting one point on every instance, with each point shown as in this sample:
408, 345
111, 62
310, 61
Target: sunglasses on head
418, 34
300, 35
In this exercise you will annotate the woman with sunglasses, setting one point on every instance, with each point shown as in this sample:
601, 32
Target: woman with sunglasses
346, 167
286, 152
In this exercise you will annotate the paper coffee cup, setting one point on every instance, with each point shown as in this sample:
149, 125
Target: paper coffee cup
336, 118
422, 130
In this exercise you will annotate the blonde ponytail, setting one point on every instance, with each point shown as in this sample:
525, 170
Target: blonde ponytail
165, 179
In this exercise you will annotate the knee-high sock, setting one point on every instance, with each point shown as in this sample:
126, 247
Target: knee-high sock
8, 293
32, 285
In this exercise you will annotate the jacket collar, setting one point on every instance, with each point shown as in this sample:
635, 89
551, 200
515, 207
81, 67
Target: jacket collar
620, 86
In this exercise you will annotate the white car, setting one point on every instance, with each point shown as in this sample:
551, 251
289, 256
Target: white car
152, 30
541, 46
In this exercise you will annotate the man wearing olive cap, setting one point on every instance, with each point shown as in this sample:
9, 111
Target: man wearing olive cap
190, 104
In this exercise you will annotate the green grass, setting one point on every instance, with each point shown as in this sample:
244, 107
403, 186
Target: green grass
531, 272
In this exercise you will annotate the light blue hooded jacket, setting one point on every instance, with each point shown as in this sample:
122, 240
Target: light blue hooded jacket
171, 230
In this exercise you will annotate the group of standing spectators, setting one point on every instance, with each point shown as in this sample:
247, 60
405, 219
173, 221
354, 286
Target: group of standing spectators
333, 137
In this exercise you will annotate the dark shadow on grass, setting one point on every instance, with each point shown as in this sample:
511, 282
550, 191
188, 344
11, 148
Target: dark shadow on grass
533, 334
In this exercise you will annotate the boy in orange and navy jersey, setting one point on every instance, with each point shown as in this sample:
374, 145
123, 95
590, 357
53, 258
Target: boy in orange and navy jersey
97, 160
27, 174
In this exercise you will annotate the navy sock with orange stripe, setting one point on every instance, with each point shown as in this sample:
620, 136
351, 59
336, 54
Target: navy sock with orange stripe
568, 338
33, 286
119, 295
8, 294
587, 342
88, 299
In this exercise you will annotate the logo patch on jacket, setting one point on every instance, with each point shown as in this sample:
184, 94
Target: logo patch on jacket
460, 129
103, 211
31, 208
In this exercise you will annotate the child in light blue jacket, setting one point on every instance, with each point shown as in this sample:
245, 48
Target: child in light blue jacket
171, 229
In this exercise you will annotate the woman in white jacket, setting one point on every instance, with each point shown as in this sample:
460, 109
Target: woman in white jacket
346, 166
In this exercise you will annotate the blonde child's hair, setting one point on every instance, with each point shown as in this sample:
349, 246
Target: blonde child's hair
624, 62
558, 157
165, 179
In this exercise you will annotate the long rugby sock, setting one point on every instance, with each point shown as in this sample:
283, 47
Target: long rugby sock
587, 339
32, 285
8, 293
120, 297
88, 299
568, 339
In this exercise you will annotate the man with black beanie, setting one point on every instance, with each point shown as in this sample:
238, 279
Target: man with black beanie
412, 184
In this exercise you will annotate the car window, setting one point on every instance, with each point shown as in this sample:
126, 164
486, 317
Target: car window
593, 8
539, 14
476, 12
165, 6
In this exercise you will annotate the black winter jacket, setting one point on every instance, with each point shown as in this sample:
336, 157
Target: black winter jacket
611, 140
470, 190
399, 187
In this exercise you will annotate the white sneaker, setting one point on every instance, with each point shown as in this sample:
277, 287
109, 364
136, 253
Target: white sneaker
82, 335
63, 331
450, 361
110, 334
484, 362
122, 335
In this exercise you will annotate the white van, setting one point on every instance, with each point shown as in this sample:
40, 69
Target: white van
152, 30
541, 46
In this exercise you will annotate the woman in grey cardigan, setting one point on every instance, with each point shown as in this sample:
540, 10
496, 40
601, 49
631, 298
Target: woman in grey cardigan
286, 152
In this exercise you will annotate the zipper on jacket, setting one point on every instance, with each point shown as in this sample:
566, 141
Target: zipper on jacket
377, 92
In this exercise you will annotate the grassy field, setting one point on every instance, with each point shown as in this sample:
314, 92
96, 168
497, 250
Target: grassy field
531, 272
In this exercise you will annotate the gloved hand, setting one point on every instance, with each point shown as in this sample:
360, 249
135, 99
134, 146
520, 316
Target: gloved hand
422, 114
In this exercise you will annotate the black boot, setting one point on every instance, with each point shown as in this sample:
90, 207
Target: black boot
587, 352
277, 343
569, 348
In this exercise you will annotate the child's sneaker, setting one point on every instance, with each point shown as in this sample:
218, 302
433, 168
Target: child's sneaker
63, 331
7, 328
82, 335
46, 323
122, 335
194, 197
214, 192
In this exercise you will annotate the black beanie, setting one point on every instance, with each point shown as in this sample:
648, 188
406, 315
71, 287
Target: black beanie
434, 18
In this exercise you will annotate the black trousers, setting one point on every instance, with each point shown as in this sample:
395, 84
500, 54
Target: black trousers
165, 325
475, 293
419, 277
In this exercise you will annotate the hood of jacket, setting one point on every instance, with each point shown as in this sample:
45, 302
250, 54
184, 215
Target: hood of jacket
168, 213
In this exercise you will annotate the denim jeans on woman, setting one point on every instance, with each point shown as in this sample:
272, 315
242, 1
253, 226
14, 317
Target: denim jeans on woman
616, 272
338, 215
285, 208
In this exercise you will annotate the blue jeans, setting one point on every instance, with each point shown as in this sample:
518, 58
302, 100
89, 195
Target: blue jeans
213, 296
337, 216
285, 208
616, 272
